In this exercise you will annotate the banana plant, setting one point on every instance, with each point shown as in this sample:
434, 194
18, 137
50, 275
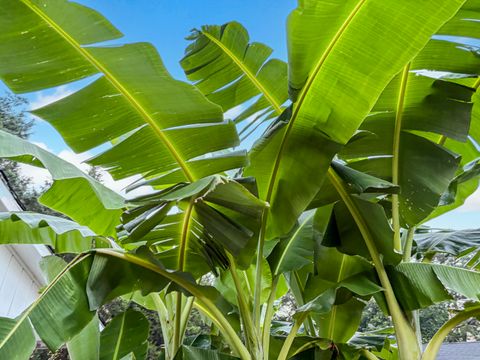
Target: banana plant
326, 201
200, 63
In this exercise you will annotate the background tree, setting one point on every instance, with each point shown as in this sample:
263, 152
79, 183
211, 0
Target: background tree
15, 119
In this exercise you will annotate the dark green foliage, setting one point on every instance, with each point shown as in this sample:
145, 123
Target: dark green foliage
373, 318
116, 307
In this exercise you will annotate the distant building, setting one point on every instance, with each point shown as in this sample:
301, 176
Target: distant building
20, 274
460, 351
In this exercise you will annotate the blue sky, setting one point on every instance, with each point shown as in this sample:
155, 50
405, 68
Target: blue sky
166, 23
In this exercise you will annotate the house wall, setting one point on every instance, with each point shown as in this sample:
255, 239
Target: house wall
20, 274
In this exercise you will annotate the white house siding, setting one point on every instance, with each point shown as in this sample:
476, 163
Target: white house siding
20, 275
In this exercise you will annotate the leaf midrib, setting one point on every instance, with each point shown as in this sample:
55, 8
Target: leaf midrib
331, 327
117, 84
398, 122
120, 335
246, 71
27, 313
397, 132
203, 302
184, 235
304, 92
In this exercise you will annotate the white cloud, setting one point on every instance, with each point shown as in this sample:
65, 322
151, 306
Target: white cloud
472, 203
41, 145
120, 185
76, 159
43, 98
40, 176
234, 112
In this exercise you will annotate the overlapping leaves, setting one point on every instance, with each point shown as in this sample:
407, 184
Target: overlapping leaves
428, 283
329, 105
50, 43
191, 227
423, 126
73, 192
231, 71
61, 234
72, 313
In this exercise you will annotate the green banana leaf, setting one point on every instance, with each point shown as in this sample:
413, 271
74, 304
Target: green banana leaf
337, 269
73, 192
226, 286
86, 344
428, 105
418, 285
329, 105
333, 267
126, 333
231, 71
341, 323
111, 274
461, 187
343, 233
60, 312
436, 107
155, 117
195, 353
457, 243
61, 234
335, 311
17, 339
116, 273
215, 215
357, 182
294, 251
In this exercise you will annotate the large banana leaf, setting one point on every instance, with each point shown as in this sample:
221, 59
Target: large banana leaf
328, 291
110, 274
344, 234
439, 112
418, 285
73, 192
61, 234
157, 118
116, 273
86, 344
226, 285
231, 72
341, 322
214, 215
295, 251
356, 182
195, 353
422, 168
452, 242
126, 333
335, 82
57, 315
